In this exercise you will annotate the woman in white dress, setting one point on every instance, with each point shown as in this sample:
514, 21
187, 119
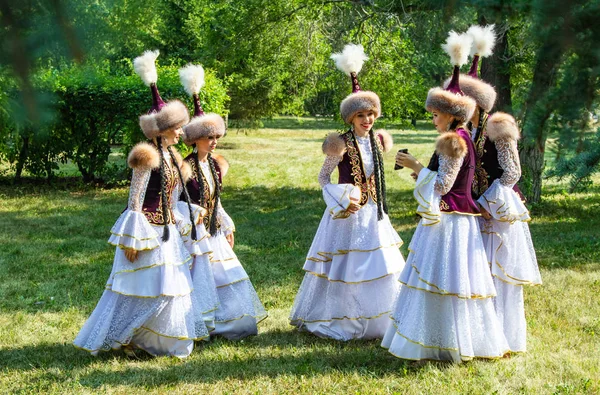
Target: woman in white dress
147, 302
445, 308
239, 309
353, 263
504, 221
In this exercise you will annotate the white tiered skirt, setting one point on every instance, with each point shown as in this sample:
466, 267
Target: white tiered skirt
351, 276
147, 303
510, 252
445, 308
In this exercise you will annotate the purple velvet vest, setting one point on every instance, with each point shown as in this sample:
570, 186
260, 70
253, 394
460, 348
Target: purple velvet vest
152, 206
487, 167
351, 169
459, 198
193, 187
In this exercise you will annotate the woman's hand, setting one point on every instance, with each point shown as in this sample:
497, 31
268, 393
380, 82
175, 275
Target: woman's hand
414, 176
407, 160
230, 239
353, 208
130, 254
484, 213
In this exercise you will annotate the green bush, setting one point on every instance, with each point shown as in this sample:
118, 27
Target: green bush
92, 110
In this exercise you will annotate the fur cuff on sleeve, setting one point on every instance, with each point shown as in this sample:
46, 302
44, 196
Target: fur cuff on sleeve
143, 156
501, 125
386, 140
223, 164
334, 145
452, 145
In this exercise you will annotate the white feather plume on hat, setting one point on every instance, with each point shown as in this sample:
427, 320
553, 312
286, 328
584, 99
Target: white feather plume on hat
192, 78
145, 67
458, 47
484, 39
351, 59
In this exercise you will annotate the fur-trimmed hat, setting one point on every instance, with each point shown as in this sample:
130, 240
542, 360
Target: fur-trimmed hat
202, 124
452, 99
162, 116
350, 61
484, 94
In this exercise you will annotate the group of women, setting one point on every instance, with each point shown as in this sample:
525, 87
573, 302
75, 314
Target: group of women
458, 296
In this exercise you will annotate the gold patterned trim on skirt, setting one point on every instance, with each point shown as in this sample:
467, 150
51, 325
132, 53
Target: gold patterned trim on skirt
148, 297
328, 256
450, 349
344, 318
152, 266
133, 237
348, 282
459, 296
233, 282
258, 318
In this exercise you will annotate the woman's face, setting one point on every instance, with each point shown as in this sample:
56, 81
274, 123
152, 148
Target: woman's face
363, 121
441, 120
207, 145
172, 136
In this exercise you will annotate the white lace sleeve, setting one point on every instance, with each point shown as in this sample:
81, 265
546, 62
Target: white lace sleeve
227, 225
132, 230
137, 191
329, 166
508, 158
447, 173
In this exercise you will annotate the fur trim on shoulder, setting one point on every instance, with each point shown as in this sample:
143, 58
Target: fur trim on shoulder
334, 145
143, 156
386, 140
452, 145
501, 125
223, 164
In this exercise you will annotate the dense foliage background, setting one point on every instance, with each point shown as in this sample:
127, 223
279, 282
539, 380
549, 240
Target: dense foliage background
68, 88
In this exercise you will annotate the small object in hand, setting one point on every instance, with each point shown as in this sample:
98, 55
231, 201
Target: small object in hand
397, 166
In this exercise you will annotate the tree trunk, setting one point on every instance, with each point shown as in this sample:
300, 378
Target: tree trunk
23, 154
539, 106
495, 69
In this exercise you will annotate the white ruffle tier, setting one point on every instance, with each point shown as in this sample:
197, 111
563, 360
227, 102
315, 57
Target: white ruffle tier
503, 203
351, 277
132, 230
240, 309
147, 303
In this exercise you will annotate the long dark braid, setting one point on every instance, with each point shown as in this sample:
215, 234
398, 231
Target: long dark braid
199, 174
163, 191
482, 115
379, 177
213, 217
185, 192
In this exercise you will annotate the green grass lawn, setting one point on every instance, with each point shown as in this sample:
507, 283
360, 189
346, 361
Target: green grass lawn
54, 261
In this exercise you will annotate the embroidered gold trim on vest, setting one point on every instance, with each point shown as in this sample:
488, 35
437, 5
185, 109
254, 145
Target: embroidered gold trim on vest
480, 181
156, 217
366, 188
210, 202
